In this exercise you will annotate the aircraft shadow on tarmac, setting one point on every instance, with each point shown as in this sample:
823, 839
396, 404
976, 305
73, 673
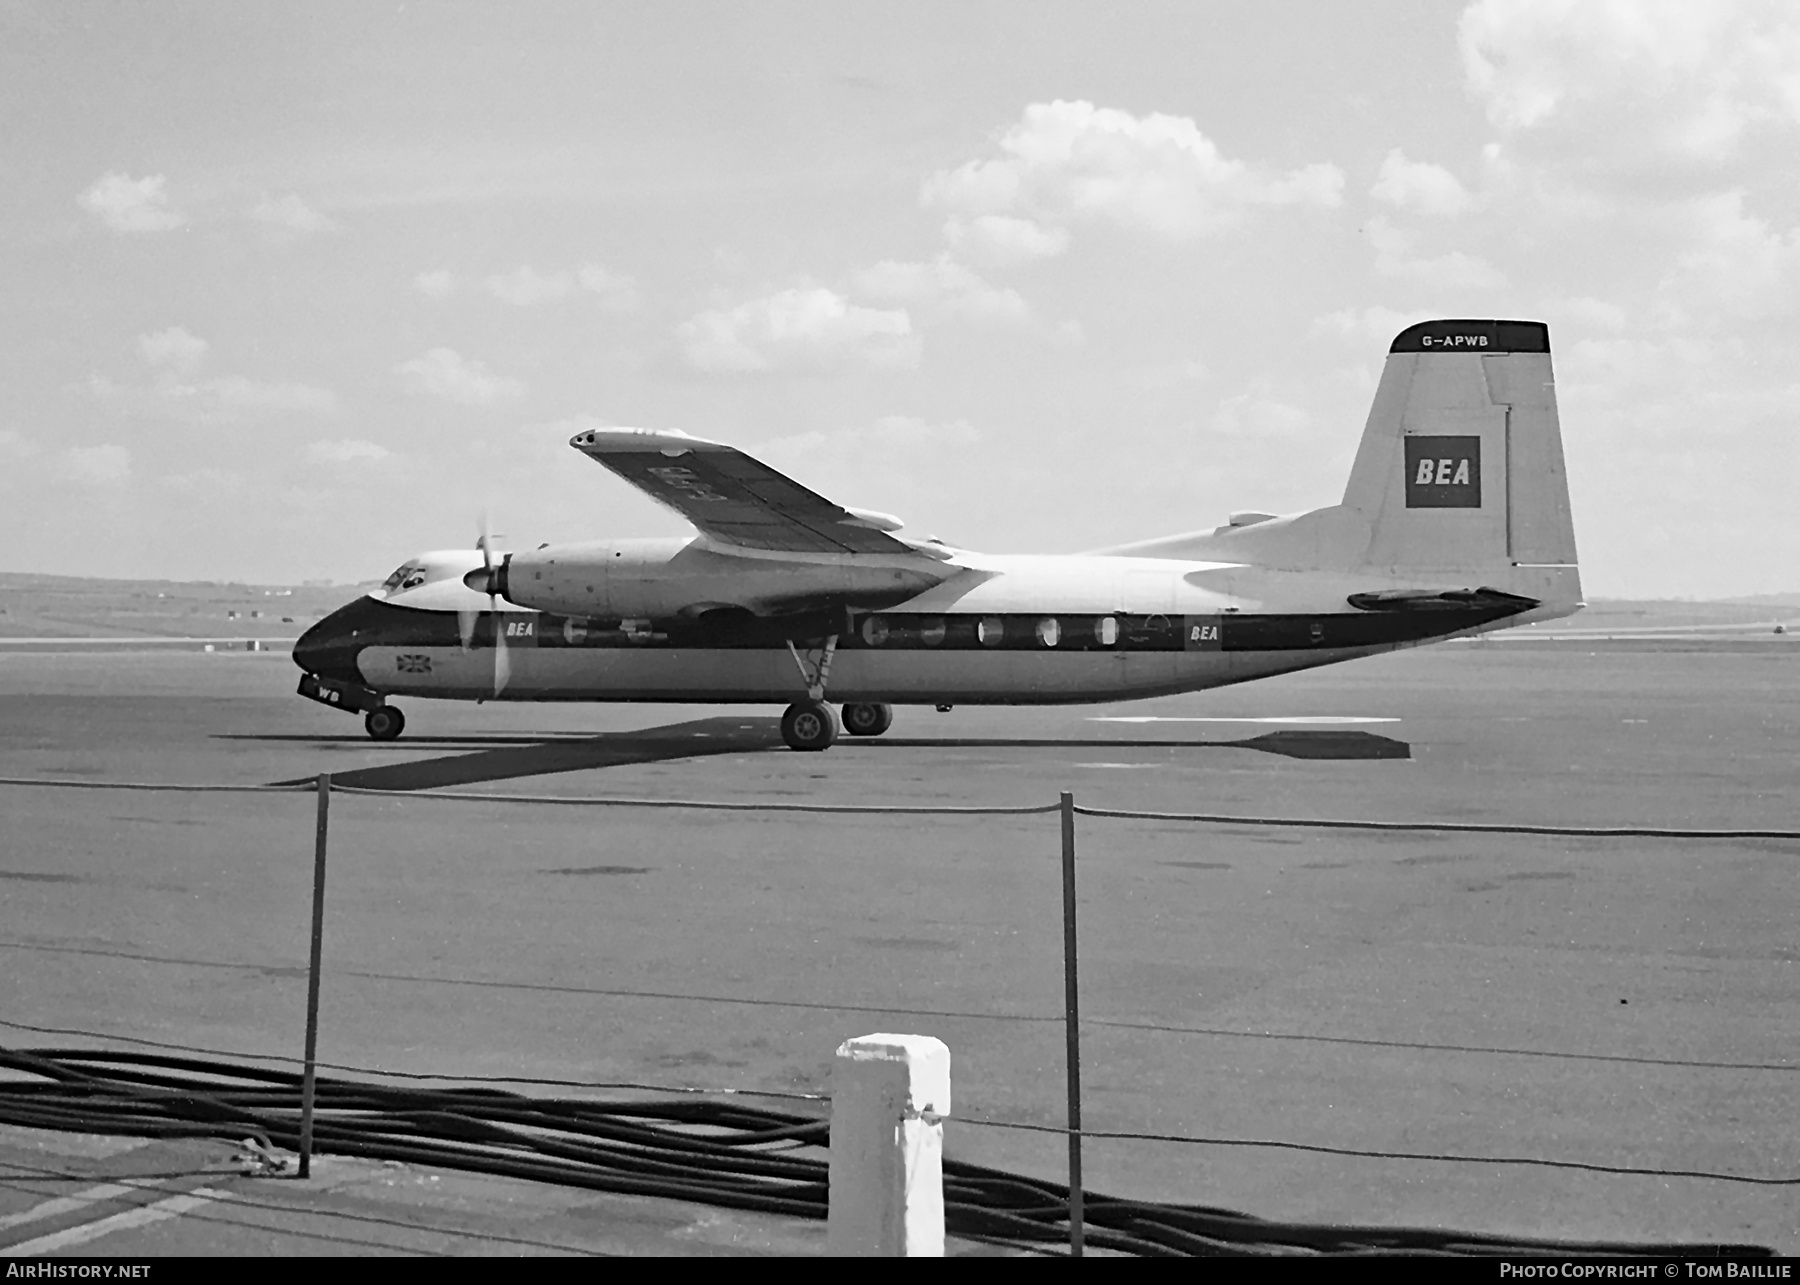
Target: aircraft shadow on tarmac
521, 756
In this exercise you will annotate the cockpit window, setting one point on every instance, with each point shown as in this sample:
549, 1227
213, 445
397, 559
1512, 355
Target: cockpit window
408, 575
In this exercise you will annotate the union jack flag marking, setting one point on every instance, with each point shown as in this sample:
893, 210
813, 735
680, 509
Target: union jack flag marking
410, 664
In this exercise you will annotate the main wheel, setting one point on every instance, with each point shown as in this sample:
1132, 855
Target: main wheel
868, 720
809, 725
385, 723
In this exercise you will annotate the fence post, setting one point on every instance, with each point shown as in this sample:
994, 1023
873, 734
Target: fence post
307, 1084
1072, 1023
889, 1097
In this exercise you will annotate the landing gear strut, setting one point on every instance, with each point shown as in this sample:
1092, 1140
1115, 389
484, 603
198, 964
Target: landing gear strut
868, 720
384, 723
809, 725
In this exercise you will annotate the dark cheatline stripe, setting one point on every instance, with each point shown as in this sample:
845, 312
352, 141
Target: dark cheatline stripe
330, 647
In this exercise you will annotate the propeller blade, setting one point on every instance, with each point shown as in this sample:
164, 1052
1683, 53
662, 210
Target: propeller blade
502, 658
486, 542
468, 620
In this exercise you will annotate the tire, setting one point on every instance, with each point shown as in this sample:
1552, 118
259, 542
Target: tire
809, 725
384, 724
868, 720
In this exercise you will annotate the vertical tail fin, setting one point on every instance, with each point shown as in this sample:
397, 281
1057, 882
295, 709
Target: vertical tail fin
1461, 463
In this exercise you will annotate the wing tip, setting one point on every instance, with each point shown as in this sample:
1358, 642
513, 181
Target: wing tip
634, 437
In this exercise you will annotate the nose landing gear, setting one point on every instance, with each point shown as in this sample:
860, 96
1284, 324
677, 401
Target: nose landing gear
384, 723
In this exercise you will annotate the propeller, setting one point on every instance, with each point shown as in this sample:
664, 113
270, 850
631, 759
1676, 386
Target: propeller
468, 620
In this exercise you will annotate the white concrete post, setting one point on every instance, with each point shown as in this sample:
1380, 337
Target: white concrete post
889, 1097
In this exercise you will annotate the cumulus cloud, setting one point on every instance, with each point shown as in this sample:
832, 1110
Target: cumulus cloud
1396, 257
525, 286
1736, 268
235, 392
1258, 416
290, 218
14, 445
173, 350
209, 481
347, 450
435, 285
942, 285
803, 328
171, 383
95, 465
445, 373
1065, 162
1649, 79
888, 435
1419, 186
616, 290
1003, 240
1374, 325
127, 204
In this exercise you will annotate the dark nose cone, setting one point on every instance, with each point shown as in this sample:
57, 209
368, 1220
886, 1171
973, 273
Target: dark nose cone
329, 650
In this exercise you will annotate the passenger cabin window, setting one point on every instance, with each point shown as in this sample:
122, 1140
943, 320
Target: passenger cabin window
990, 631
875, 631
1048, 631
931, 630
1106, 630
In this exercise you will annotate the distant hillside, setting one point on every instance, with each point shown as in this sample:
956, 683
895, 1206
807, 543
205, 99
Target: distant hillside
34, 606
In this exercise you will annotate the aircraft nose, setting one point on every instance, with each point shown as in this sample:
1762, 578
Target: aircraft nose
329, 650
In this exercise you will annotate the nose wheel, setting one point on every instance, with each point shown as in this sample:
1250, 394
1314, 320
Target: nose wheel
868, 720
809, 725
384, 723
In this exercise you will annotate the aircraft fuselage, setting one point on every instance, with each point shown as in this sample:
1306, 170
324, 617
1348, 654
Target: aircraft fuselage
995, 630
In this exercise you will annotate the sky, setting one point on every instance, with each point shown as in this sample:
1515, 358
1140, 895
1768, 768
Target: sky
293, 291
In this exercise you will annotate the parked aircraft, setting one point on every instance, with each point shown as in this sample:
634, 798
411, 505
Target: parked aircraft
1455, 521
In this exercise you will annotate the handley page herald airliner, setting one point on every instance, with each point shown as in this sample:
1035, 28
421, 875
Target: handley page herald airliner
1455, 521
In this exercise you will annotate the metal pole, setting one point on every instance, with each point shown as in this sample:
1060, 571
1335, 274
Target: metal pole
312, 979
1072, 1022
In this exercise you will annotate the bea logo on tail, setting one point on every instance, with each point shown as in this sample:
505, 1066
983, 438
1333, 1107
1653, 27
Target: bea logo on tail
1443, 472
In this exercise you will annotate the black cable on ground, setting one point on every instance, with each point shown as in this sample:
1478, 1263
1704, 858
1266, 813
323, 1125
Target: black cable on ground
706, 1152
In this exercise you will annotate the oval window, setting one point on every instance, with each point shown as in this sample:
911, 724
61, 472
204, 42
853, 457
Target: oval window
575, 631
1106, 630
990, 631
931, 630
1048, 631
874, 631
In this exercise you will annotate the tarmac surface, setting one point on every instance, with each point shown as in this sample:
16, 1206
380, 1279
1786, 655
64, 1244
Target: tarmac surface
1613, 1002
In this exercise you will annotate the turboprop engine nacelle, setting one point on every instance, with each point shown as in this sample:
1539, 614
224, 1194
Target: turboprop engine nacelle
656, 579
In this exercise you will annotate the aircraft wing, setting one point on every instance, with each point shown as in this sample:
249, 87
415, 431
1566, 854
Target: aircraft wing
733, 498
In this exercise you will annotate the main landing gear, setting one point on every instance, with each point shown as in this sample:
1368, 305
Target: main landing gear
810, 724
868, 720
384, 723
